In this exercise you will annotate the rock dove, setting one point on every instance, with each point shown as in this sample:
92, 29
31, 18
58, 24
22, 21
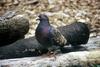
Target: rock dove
48, 36
76, 33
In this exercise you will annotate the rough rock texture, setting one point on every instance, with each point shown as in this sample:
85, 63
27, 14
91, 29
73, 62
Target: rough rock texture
73, 59
30, 47
13, 29
75, 30
22, 48
88, 57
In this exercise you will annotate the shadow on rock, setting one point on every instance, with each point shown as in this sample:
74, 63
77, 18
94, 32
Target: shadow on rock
22, 48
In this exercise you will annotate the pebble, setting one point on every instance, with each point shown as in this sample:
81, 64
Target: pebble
93, 35
2, 1
32, 2
9, 14
16, 2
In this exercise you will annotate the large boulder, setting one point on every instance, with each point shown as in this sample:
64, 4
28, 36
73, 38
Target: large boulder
22, 48
13, 29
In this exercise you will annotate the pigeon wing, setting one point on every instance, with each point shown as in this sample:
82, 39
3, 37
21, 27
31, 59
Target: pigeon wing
58, 37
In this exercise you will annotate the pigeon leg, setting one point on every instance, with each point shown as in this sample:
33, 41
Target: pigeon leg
53, 53
50, 54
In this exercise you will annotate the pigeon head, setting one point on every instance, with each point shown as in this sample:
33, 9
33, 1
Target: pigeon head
43, 17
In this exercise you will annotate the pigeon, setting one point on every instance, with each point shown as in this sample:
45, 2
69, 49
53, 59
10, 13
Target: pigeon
76, 33
48, 36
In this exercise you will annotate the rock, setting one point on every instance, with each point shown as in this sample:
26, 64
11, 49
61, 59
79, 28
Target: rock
32, 2
2, 1
9, 14
73, 59
75, 30
13, 29
16, 2
93, 35
54, 8
31, 48
9, 1
22, 48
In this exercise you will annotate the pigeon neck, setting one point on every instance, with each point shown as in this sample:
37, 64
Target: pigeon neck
44, 23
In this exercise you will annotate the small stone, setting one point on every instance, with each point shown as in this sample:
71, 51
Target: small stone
2, 1
32, 2
9, 1
93, 35
16, 2
98, 34
54, 8
82, 20
9, 14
